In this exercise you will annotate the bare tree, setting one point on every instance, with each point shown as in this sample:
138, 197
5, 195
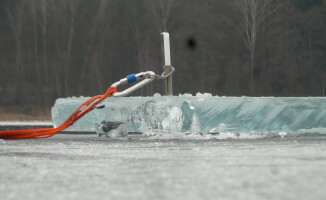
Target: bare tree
253, 12
100, 20
15, 16
58, 18
32, 5
162, 10
44, 27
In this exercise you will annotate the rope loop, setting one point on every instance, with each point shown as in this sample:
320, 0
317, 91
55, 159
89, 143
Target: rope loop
82, 110
165, 76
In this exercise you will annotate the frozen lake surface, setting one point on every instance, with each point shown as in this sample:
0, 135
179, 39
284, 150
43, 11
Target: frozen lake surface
88, 167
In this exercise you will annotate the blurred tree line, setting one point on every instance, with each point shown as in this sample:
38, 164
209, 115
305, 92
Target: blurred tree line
61, 48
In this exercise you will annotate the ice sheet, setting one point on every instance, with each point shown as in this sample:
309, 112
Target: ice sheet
86, 167
26, 123
202, 113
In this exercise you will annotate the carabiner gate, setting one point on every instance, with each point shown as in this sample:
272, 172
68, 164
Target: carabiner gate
146, 78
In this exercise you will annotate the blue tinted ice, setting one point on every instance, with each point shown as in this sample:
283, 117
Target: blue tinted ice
202, 113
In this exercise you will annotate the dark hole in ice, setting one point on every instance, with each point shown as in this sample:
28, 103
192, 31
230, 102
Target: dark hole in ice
107, 126
100, 107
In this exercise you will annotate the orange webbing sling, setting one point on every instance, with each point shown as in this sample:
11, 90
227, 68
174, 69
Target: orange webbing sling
48, 132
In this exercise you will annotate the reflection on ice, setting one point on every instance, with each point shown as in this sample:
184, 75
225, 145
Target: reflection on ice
201, 114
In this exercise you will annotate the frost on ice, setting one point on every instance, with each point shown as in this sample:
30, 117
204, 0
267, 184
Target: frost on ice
202, 113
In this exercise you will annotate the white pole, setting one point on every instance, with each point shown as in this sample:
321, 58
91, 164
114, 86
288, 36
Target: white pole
167, 63
166, 45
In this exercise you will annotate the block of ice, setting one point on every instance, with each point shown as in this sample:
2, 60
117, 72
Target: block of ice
201, 113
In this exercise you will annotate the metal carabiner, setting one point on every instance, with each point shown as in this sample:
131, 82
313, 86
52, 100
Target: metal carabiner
146, 78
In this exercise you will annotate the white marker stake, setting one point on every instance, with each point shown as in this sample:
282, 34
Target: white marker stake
166, 43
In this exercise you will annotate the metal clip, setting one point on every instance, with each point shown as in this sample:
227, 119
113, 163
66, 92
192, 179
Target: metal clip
146, 78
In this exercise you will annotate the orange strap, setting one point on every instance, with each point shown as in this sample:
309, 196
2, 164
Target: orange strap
48, 132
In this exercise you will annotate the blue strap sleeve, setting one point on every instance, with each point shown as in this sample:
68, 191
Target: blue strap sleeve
131, 78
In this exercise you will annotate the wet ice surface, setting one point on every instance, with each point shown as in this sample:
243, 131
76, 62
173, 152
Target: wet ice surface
89, 167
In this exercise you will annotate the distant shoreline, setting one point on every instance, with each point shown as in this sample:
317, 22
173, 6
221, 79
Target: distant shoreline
16, 113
